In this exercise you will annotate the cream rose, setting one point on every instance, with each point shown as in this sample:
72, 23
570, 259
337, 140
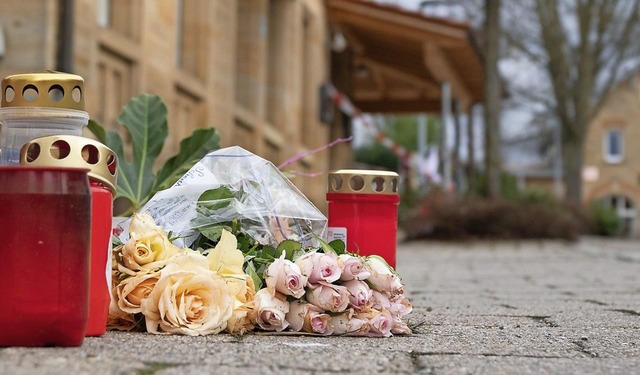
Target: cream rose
271, 310
148, 251
225, 258
132, 290
188, 298
142, 222
118, 319
308, 318
353, 268
243, 316
285, 277
329, 297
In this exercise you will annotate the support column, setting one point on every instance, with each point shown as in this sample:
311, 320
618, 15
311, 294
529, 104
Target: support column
445, 121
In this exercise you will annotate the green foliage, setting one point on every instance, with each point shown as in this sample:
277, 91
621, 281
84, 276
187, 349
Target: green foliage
378, 155
404, 131
145, 119
605, 218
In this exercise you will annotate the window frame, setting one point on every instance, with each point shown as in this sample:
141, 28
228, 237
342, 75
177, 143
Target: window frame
607, 153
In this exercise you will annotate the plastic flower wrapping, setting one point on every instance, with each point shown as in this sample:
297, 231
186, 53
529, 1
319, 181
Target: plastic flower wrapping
234, 247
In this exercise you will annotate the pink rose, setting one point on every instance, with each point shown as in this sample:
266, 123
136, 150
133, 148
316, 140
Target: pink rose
359, 293
271, 310
329, 297
383, 278
400, 327
381, 324
379, 300
319, 267
285, 277
308, 318
347, 324
353, 268
400, 306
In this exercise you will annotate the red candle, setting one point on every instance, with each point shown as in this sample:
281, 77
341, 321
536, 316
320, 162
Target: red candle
45, 217
363, 211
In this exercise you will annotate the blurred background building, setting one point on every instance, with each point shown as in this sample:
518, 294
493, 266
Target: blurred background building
253, 69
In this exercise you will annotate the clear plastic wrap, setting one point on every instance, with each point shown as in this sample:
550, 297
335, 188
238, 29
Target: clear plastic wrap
232, 184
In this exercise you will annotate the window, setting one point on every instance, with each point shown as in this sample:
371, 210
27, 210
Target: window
613, 146
191, 29
186, 115
114, 74
121, 16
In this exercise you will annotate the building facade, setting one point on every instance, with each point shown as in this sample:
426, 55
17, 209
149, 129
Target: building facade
252, 69
612, 159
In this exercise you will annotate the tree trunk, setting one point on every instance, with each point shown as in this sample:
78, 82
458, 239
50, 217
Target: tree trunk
572, 153
492, 98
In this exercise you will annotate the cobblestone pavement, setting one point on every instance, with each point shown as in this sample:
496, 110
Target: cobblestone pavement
531, 307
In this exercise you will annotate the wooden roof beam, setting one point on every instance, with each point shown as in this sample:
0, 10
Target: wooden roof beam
430, 86
367, 16
399, 106
437, 63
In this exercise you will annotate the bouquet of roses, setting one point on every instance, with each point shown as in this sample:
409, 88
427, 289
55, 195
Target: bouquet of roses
166, 289
235, 284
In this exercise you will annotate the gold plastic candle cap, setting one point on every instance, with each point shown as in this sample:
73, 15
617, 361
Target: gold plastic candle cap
50, 89
361, 181
75, 152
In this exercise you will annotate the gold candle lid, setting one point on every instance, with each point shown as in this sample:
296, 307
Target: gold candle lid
361, 181
73, 151
50, 89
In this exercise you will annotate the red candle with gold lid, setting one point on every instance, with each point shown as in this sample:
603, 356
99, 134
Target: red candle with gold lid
102, 165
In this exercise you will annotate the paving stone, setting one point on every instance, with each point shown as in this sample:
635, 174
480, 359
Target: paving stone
517, 307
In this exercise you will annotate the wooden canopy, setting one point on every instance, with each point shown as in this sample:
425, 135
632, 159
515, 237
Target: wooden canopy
401, 58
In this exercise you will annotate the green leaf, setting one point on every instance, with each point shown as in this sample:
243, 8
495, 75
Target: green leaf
97, 130
290, 247
326, 248
338, 246
145, 117
250, 270
215, 199
192, 149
